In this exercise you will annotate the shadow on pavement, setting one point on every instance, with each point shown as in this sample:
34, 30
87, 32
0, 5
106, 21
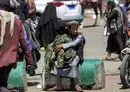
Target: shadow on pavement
120, 83
32, 83
123, 88
90, 26
38, 74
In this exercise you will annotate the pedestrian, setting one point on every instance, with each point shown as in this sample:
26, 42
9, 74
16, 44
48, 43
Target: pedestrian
11, 35
31, 8
35, 46
124, 7
128, 16
22, 9
77, 42
128, 26
47, 26
116, 41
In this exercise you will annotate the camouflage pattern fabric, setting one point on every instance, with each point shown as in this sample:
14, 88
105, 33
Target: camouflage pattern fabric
62, 56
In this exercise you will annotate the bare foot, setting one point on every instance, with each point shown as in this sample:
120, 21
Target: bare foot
108, 58
55, 88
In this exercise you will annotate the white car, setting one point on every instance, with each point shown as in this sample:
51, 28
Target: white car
66, 9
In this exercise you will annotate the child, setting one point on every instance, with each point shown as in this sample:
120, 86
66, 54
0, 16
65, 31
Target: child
77, 43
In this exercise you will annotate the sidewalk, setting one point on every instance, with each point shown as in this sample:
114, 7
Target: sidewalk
111, 68
94, 48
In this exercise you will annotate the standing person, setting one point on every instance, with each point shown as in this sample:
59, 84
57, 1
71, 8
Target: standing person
32, 9
71, 71
123, 7
11, 35
116, 41
22, 10
128, 15
47, 26
128, 26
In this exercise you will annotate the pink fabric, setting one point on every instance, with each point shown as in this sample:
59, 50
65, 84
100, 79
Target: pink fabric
9, 49
3, 89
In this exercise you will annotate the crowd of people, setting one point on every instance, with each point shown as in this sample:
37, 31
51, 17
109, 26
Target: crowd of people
16, 43
22, 34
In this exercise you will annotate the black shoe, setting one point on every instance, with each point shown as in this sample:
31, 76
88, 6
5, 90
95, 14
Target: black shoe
31, 71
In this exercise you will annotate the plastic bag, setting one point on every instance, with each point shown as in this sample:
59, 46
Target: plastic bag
106, 33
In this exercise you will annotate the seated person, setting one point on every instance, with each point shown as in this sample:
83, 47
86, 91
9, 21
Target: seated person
77, 43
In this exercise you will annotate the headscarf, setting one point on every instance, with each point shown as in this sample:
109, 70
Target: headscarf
6, 17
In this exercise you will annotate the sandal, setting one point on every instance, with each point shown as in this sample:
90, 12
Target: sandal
108, 58
55, 89
78, 88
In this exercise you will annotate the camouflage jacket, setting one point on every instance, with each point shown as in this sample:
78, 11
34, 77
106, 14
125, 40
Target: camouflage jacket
62, 56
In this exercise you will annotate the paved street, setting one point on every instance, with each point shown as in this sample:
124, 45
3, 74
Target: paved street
94, 48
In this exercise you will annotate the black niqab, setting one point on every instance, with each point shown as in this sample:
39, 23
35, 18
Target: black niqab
47, 26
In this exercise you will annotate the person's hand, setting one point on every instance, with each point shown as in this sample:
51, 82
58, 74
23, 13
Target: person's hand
58, 48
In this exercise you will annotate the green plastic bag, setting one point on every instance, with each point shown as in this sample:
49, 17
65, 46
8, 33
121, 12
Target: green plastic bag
17, 77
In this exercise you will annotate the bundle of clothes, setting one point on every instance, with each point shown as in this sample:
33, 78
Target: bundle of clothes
51, 57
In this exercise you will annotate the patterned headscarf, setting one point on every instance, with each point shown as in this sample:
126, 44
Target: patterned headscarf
5, 17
